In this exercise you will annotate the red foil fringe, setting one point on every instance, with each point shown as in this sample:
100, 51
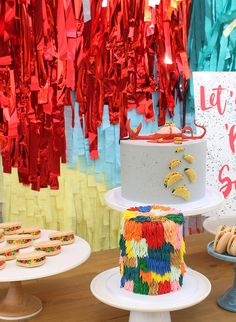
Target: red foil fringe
117, 62
47, 50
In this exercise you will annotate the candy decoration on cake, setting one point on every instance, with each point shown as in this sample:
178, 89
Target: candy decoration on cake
181, 191
191, 174
152, 250
174, 164
188, 158
180, 149
172, 178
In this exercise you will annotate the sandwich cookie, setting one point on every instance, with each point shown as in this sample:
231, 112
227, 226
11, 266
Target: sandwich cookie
222, 238
33, 259
2, 262
11, 228
2, 235
9, 252
50, 247
66, 237
21, 241
35, 232
231, 247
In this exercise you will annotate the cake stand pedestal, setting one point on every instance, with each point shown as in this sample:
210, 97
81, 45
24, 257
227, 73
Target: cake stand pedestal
211, 201
18, 305
149, 317
228, 300
211, 224
143, 308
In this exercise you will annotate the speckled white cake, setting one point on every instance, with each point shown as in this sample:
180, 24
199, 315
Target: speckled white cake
156, 173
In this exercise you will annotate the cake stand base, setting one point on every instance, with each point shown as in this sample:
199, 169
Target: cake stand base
17, 305
143, 308
228, 300
211, 201
149, 317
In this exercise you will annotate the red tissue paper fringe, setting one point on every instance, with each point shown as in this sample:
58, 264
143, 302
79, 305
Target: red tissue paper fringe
47, 50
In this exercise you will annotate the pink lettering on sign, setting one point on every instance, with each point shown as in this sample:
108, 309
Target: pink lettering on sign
215, 99
232, 137
227, 183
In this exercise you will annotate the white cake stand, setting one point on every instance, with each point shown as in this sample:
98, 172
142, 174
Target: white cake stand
17, 305
106, 288
211, 224
211, 201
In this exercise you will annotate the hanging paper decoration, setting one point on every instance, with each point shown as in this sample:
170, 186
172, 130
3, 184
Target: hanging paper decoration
37, 51
117, 62
105, 51
212, 38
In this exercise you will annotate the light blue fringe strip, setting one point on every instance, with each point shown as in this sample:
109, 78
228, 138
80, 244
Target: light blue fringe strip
108, 164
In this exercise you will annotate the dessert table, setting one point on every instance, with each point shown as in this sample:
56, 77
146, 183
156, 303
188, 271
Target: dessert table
211, 201
106, 288
16, 304
228, 300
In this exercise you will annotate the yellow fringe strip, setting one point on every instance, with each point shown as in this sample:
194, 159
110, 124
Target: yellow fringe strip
78, 205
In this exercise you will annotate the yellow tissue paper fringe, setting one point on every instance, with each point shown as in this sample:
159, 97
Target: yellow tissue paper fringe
78, 205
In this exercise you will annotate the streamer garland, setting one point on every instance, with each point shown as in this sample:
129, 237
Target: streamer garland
212, 38
49, 48
118, 65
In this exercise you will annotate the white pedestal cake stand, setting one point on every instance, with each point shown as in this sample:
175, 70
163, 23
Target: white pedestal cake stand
143, 308
211, 201
17, 305
211, 224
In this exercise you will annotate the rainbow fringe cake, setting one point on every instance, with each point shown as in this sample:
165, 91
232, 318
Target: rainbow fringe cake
152, 250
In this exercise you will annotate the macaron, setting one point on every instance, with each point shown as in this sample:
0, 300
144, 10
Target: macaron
2, 235
33, 259
231, 247
11, 228
66, 237
9, 252
222, 238
35, 232
50, 247
2, 262
21, 241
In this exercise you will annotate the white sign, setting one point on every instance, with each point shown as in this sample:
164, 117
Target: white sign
215, 108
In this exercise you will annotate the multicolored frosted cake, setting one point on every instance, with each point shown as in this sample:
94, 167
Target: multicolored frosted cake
152, 250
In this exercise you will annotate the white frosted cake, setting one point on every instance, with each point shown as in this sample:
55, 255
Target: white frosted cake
164, 173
